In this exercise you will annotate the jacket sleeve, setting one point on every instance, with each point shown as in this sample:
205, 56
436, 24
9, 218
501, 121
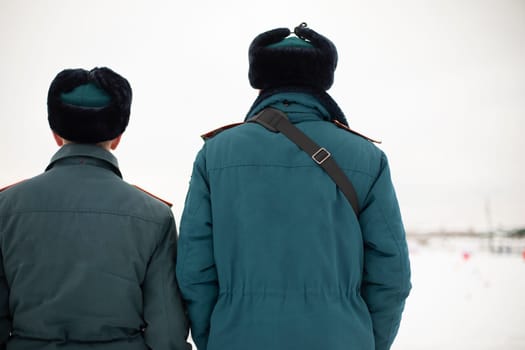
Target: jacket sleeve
386, 276
166, 321
196, 271
5, 317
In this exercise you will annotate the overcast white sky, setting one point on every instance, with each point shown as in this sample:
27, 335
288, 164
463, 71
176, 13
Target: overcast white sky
440, 82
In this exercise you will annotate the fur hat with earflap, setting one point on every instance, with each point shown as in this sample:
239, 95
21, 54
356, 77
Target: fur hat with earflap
89, 106
307, 59
304, 63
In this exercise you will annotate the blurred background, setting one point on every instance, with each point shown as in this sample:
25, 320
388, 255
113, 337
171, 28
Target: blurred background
440, 82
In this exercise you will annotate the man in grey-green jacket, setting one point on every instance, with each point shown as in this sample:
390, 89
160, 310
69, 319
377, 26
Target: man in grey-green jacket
271, 253
87, 260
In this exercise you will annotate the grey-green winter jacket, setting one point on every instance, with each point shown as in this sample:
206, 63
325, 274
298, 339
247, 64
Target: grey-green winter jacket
87, 260
271, 254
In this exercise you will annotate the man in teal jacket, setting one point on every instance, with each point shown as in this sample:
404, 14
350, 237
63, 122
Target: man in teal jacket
271, 254
87, 260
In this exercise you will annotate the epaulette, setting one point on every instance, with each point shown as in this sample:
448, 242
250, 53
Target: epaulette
12, 185
343, 126
217, 131
152, 195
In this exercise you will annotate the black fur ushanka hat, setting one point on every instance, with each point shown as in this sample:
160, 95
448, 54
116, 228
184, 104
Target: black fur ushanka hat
89, 106
275, 65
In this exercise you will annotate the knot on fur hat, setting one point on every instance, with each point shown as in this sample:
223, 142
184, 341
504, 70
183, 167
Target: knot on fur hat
89, 106
276, 60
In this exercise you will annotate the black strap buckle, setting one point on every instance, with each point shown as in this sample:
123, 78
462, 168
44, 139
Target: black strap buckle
321, 155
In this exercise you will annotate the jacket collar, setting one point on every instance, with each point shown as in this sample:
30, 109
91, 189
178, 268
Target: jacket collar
297, 106
91, 154
322, 98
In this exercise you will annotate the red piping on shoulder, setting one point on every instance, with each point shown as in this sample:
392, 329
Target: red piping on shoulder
152, 195
343, 126
12, 185
214, 132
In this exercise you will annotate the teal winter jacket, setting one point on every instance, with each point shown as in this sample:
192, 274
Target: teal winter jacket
271, 254
87, 261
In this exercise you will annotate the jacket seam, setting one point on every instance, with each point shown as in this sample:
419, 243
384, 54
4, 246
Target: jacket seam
79, 211
282, 166
401, 268
312, 292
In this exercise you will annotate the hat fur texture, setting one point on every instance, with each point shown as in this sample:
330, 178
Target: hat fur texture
273, 66
84, 123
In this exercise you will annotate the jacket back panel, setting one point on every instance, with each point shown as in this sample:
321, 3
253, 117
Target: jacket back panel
75, 245
286, 242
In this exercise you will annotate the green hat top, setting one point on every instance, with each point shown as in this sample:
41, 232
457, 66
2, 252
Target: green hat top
291, 41
87, 95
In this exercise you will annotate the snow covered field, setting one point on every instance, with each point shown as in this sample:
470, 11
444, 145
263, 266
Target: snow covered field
464, 303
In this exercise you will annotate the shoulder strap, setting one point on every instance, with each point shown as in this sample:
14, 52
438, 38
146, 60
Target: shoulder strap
276, 121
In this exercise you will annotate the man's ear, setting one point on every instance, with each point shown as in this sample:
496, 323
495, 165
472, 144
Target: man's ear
115, 142
59, 140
